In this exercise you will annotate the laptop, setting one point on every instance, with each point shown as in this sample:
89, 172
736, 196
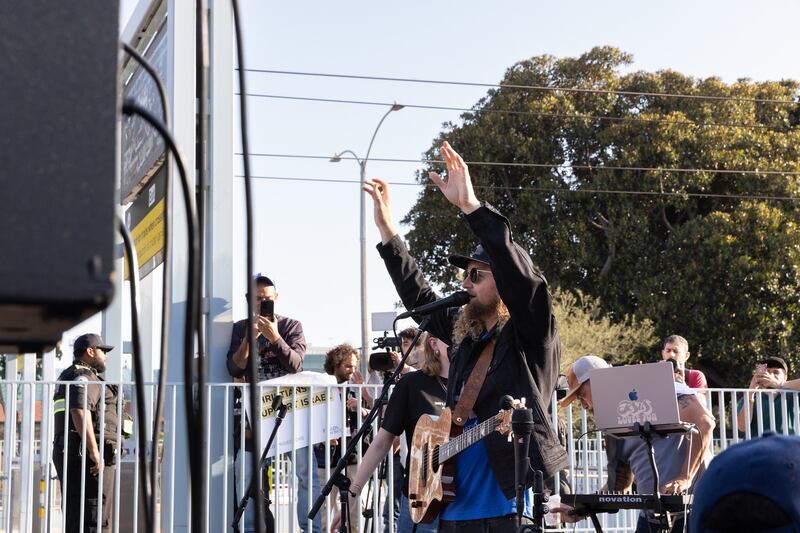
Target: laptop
625, 395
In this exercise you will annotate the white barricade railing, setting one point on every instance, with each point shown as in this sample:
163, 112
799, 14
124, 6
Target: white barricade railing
25, 455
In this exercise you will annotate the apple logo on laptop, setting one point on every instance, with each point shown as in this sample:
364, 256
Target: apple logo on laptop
633, 395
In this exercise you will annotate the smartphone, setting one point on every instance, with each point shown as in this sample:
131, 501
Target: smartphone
761, 368
267, 308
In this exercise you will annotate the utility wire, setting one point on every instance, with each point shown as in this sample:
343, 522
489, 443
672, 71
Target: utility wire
520, 113
530, 87
554, 165
550, 190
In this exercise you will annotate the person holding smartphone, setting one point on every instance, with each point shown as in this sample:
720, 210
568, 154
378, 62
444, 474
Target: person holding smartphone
770, 374
281, 349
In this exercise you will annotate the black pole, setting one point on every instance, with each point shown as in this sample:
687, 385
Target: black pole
257, 474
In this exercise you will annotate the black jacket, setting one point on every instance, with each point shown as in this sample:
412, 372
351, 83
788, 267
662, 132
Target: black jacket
526, 356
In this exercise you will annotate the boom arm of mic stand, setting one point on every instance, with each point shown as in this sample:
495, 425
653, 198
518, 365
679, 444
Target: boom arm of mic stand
366, 424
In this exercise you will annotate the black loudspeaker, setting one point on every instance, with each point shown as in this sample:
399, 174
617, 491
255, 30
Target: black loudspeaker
58, 110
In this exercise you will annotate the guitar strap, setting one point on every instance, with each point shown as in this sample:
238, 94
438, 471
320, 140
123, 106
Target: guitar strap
471, 389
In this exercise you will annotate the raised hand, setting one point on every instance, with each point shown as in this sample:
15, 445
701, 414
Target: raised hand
458, 187
382, 202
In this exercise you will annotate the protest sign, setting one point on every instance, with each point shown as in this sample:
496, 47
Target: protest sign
313, 415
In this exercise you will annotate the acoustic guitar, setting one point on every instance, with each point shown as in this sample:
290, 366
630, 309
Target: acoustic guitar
431, 478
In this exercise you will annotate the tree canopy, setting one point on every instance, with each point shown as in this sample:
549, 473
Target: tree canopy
635, 197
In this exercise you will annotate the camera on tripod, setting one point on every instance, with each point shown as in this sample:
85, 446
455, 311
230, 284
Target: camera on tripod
382, 361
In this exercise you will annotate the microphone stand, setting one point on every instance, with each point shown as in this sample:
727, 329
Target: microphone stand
522, 426
338, 478
282, 409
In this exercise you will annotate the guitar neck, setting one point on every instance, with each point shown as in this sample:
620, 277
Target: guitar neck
467, 438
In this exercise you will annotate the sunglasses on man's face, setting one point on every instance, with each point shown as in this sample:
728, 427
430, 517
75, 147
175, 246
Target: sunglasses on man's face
474, 274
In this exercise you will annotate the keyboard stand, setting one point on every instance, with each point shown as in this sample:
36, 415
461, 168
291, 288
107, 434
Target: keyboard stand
647, 432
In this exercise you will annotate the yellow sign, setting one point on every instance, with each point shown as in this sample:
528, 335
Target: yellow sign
301, 399
145, 220
148, 235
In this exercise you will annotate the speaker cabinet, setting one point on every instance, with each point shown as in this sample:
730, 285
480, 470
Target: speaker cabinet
58, 109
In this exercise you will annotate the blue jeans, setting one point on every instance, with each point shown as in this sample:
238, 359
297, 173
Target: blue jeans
301, 468
406, 525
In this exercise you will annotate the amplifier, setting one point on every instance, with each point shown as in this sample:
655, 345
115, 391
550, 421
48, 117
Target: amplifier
58, 151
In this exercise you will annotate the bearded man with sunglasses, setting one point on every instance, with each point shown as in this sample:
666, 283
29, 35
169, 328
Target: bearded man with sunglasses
510, 312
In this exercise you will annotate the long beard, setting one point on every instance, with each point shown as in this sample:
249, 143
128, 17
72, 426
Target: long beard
474, 310
469, 323
99, 367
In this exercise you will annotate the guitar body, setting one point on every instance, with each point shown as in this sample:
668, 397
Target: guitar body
427, 491
431, 481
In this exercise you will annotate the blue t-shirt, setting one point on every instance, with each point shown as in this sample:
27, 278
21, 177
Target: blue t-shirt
478, 494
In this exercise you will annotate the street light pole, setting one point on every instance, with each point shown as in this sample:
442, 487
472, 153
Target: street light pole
362, 163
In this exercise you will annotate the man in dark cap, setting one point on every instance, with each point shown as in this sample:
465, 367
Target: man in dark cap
80, 433
770, 374
507, 332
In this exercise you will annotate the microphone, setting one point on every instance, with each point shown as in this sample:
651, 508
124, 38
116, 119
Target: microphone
522, 426
276, 401
457, 299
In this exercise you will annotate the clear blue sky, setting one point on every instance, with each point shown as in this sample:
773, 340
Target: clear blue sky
307, 237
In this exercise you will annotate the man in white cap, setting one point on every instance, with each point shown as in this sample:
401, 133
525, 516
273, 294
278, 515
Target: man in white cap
678, 458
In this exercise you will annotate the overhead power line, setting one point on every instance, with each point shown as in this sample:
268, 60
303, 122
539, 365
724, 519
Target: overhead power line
578, 116
529, 87
548, 190
548, 165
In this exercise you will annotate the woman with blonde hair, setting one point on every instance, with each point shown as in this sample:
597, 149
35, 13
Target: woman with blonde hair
417, 393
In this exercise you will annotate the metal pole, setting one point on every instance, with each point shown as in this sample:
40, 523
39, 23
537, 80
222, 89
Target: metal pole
364, 325
362, 163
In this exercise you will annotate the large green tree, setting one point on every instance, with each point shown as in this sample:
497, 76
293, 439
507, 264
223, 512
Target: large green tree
695, 252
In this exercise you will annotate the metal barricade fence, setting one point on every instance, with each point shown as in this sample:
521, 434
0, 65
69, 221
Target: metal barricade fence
31, 494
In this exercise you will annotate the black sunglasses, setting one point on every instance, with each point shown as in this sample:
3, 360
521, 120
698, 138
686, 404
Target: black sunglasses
474, 274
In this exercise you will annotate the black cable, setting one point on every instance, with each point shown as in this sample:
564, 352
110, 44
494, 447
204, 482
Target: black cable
252, 376
552, 190
661, 121
130, 107
532, 87
162, 91
201, 31
166, 280
141, 409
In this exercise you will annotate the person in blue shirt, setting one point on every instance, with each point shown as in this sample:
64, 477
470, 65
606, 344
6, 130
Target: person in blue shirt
509, 305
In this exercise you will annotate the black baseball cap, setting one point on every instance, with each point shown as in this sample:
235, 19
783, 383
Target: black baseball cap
263, 279
90, 340
764, 467
461, 261
775, 362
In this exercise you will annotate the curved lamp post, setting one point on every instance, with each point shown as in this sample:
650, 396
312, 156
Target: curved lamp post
362, 163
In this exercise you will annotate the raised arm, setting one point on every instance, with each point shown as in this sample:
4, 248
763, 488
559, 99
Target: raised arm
742, 420
382, 207
521, 286
408, 281
289, 344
